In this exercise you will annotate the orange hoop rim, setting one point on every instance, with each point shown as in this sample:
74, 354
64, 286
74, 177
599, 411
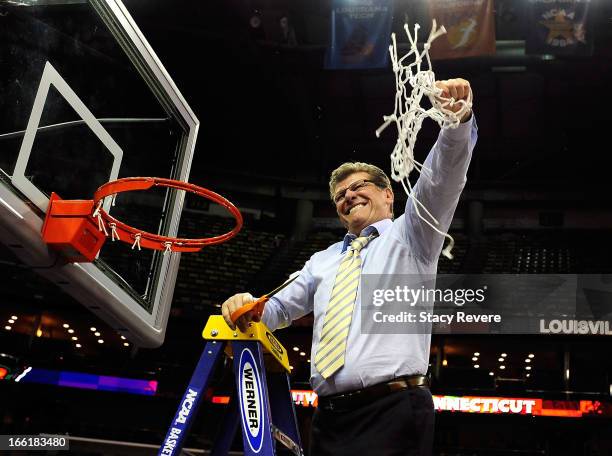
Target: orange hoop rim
140, 238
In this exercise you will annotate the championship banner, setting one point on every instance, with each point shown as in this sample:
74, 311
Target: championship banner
559, 27
470, 28
360, 34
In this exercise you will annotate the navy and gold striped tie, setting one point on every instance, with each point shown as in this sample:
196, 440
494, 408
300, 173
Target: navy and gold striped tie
332, 343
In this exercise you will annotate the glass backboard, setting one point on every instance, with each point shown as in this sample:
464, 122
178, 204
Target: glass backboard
85, 101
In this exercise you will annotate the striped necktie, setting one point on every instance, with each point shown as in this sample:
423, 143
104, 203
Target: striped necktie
332, 343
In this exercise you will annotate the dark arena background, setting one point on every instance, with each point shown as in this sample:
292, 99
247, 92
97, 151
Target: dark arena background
274, 122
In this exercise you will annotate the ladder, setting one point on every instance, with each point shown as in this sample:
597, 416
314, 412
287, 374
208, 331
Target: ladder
261, 403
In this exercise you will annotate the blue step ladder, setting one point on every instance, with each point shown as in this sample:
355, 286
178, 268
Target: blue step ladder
261, 404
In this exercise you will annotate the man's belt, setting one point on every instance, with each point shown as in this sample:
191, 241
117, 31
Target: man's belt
354, 399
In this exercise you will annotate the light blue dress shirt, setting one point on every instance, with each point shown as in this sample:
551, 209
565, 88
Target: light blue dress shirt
405, 245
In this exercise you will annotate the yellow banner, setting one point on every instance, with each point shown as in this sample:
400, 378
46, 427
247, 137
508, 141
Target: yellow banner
470, 28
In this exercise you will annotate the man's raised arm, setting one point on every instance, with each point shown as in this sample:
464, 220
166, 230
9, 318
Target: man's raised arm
442, 179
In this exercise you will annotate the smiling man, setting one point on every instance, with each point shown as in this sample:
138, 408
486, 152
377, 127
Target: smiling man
362, 195
373, 390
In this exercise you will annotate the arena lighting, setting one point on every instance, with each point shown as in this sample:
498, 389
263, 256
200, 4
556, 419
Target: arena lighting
445, 363
71, 331
476, 354
122, 337
531, 355
7, 327
82, 380
528, 375
528, 368
491, 373
295, 349
92, 329
100, 341
66, 325
475, 358
125, 344
504, 355
476, 366
14, 317
23, 374
501, 360
302, 354
567, 374
11, 321
78, 345
39, 332
74, 338
527, 360
610, 385
97, 334
502, 367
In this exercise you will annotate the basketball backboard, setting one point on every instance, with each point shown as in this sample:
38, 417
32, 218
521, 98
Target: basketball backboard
86, 101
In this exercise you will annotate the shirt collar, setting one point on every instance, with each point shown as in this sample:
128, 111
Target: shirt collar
379, 227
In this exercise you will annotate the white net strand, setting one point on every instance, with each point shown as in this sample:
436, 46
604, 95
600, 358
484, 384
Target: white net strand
114, 234
136, 243
412, 82
96, 214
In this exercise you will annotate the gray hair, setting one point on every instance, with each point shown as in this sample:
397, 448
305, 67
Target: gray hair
377, 175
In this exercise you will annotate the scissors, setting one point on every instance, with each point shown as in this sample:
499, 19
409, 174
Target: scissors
258, 305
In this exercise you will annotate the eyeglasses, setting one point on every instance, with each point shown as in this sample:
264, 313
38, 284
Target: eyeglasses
354, 187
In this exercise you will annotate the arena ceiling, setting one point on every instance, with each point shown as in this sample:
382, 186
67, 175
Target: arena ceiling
277, 113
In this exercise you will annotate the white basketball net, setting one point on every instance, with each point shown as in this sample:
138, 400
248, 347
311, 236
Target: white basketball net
412, 83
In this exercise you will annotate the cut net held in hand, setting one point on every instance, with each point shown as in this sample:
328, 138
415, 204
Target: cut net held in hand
413, 81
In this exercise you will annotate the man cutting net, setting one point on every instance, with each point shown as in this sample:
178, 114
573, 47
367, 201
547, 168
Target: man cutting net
373, 390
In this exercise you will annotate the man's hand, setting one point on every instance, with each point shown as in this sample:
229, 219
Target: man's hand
234, 303
459, 89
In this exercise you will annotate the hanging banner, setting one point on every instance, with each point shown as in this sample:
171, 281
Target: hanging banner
470, 28
559, 27
360, 35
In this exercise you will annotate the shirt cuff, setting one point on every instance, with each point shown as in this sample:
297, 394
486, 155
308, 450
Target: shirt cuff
274, 315
462, 131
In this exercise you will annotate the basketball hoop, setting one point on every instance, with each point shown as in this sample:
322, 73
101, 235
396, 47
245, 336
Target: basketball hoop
64, 224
